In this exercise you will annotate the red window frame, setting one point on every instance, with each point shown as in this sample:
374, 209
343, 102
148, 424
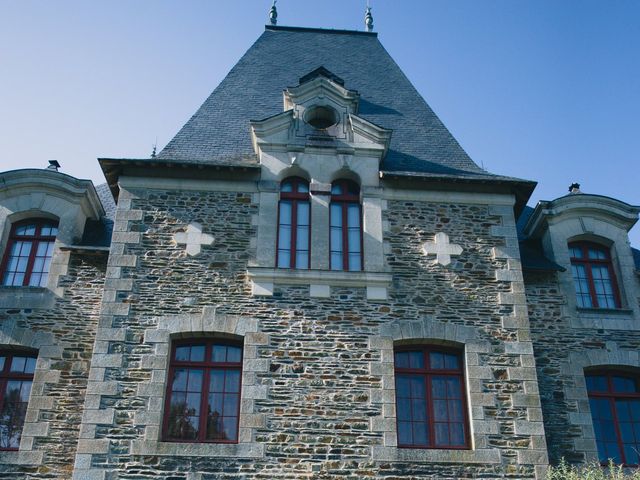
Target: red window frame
345, 199
612, 396
588, 264
35, 240
429, 373
295, 197
207, 365
6, 375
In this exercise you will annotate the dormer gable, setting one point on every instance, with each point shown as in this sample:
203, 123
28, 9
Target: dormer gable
320, 113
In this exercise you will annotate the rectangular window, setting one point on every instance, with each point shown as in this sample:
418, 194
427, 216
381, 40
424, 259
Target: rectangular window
16, 378
614, 399
430, 399
593, 276
203, 396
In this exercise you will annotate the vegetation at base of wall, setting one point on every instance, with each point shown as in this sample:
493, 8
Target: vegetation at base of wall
594, 471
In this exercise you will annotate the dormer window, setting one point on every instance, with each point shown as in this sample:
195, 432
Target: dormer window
321, 117
294, 224
28, 254
593, 276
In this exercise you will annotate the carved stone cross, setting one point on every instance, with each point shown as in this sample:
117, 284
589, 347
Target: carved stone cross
193, 238
442, 249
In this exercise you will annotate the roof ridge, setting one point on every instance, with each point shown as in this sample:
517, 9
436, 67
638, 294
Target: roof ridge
319, 30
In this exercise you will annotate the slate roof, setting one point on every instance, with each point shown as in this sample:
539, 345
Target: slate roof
97, 233
531, 253
636, 257
219, 132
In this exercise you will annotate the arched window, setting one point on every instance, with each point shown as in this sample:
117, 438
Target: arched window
593, 276
294, 224
203, 394
16, 377
346, 226
430, 398
28, 254
614, 398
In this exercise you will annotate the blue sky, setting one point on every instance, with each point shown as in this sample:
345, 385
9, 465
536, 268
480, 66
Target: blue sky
546, 90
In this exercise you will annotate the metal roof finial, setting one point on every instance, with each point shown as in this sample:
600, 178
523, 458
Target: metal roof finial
368, 19
273, 14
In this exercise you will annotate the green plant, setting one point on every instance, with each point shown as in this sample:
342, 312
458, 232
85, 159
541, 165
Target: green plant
592, 471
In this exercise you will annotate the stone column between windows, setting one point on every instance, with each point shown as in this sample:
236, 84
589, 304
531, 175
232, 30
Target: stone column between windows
373, 251
320, 199
267, 221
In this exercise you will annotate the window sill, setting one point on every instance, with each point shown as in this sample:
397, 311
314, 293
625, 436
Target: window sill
605, 319
421, 455
180, 449
26, 297
618, 311
319, 281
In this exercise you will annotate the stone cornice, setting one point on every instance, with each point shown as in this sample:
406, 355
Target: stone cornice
578, 205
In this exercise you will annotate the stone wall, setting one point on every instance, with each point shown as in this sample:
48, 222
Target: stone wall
62, 331
317, 393
563, 350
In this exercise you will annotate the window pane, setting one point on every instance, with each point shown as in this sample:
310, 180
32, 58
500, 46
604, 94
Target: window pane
13, 413
402, 359
232, 381
194, 383
180, 376
440, 412
216, 381
403, 386
420, 434
597, 383
436, 360
230, 427
416, 359
405, 435
286, 208
353, 215
17, 364
419, 410
355, 262
286, 186
451, 362
303, 213
336, 261
182, 353
442, 434
336, 215
456, 432
234, 354
284, 258
624, 384
219, 353
302, 259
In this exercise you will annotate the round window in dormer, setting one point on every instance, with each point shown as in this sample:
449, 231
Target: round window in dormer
321, 117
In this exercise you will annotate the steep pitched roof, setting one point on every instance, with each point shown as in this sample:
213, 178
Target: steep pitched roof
219, 131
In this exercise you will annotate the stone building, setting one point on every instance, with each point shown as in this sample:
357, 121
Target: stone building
312, 280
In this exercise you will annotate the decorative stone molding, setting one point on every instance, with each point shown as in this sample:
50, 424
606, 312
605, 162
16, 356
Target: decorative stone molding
428, 331
33, 193
575, 389
319, 281
208, 324
193, 238
442, 249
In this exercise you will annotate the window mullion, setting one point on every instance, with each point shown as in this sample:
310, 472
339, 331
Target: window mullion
204, 400
430, 412
294, 232
345, 235
592, 286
